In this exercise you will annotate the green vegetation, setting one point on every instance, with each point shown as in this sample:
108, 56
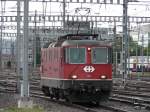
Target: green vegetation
15, 109
134, 47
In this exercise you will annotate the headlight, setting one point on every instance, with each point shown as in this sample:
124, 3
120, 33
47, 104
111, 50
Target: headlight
89, 49
74, 76
103, 77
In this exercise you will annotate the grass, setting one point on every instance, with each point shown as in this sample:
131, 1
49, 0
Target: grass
15, 109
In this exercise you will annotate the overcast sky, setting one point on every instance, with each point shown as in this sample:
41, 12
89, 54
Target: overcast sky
135, 9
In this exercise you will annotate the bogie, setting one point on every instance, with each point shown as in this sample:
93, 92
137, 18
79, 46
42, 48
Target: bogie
46, 90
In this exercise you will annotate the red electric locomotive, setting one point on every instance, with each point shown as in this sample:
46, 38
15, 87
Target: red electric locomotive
77, 67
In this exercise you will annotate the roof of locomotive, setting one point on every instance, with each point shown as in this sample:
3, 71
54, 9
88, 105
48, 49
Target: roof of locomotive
78, 37
78, 40
85, 42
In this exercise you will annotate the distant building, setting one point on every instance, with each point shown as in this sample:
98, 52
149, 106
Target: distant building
139, 60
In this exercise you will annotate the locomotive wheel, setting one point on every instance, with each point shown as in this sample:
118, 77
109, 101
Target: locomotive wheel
68, 100
97, 103
51, 96
57, 94
46, 91
51, 93
57, 97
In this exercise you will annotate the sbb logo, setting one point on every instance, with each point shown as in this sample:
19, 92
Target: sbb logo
89, 69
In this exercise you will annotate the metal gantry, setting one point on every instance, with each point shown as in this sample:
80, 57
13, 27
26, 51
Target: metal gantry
59, 18
117, 2
18, 53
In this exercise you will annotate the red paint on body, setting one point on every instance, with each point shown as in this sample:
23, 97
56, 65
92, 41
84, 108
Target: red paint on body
53, 66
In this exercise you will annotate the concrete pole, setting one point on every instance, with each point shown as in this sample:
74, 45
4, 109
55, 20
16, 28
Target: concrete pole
25, 91
124, 42
25, 101
18, 46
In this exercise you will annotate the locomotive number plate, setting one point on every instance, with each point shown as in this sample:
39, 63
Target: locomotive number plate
89, 69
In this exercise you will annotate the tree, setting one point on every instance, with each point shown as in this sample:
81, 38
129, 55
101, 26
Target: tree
134, 47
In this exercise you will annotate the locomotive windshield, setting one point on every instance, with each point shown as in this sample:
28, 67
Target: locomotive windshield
75, 55
99, 55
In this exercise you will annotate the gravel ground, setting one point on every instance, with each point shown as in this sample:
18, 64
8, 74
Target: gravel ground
54, 107
9, 100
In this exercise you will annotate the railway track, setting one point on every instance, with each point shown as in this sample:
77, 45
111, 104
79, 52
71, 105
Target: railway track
132, 93
80, 106
132, 101
133, 98
109, 108
132, 83
8, 84
139, 88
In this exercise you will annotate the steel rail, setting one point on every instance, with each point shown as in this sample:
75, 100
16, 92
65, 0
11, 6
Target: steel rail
113, 108
132, 100
129, 93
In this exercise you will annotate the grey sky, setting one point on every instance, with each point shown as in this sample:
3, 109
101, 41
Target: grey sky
96, 9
